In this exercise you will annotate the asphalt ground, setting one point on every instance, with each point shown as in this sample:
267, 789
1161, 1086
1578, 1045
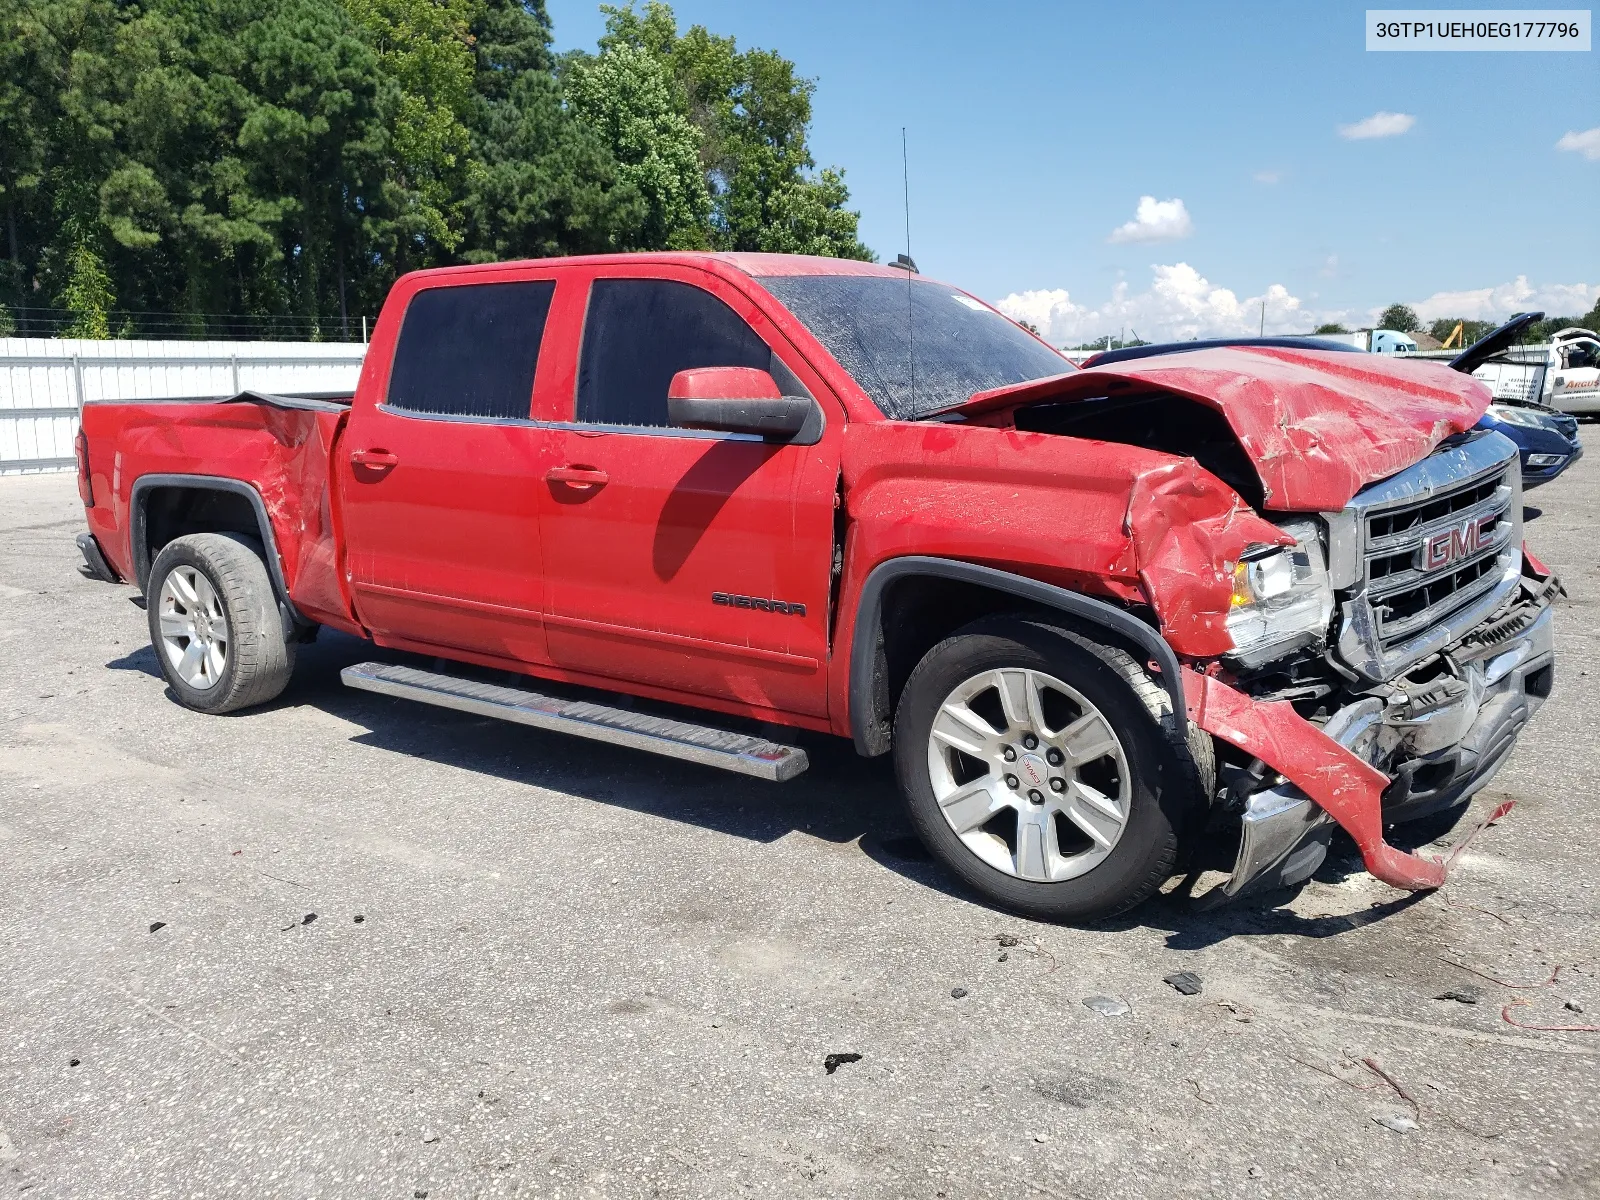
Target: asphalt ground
543, 967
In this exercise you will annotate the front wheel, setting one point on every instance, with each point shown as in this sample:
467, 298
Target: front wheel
215, 625
1045, 770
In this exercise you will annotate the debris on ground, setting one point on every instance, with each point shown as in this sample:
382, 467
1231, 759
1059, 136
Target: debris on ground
834, 1061
1396, 1122
155, 925
358, 918
308, 918
1467, 993
1106, 1006
1573, 1006
956, 993
1505, 1015
1187, 983
1554, 975
1012, 941
72, 1062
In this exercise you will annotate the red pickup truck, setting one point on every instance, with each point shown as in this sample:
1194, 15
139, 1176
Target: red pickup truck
1096, 615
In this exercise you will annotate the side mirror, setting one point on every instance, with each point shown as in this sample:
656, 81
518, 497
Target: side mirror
739, 400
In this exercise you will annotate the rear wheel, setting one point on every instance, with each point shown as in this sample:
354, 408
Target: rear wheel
215, 625
1045, 770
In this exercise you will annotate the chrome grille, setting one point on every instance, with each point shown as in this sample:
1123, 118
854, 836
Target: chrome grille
1426, 561
1441, 548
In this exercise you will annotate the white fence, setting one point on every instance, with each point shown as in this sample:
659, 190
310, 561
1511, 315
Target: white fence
44, 382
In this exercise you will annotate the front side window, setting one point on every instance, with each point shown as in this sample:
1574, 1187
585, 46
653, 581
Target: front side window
471, 351
639, 333
913, 345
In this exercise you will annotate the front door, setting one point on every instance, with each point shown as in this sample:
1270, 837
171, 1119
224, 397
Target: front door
683, 559
440, 481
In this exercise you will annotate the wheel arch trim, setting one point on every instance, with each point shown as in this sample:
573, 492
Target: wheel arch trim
138, 506
867, 724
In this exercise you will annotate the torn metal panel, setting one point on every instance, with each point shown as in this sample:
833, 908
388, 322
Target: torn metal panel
1347, 789
1128, 524
1318, 426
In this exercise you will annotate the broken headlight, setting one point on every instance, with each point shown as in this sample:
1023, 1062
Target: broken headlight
1282, 597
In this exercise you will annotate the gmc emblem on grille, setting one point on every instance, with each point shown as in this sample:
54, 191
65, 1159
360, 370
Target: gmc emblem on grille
1452, 545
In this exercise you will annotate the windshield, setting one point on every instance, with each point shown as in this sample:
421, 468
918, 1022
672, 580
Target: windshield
914, 346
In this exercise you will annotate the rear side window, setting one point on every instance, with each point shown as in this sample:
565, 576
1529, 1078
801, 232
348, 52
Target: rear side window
639, 333
471, 351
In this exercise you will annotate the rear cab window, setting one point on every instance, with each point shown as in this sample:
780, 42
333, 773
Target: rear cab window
470, 351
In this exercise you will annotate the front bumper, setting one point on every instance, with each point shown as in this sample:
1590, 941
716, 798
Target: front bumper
1404, 750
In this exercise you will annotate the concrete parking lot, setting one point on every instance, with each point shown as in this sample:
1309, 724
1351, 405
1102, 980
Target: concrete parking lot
347, 946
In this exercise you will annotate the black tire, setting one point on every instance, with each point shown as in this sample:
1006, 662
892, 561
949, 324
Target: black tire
259, 659
1170, 767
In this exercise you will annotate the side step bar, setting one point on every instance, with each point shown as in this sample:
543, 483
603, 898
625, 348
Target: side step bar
658, 735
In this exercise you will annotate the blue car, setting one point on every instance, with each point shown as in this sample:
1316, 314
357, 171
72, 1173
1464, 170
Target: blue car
1547, 440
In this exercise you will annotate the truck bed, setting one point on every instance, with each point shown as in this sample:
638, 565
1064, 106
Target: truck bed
280, 446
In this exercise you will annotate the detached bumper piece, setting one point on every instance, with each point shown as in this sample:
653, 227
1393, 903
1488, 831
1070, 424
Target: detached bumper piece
1442, 739
94, 562
658, 735
1327, 773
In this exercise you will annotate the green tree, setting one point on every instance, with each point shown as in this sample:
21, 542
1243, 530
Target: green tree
1471, 331
1333, 327
87, 294
753, 113
625, 95
424, 47
270, 158
545, 181
1401, 318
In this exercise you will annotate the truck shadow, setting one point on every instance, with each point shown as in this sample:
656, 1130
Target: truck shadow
842, 799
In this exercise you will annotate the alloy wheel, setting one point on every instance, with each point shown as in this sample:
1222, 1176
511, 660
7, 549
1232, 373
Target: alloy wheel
1029, 774
194, 629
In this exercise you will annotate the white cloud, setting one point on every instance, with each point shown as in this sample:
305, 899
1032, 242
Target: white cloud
1499, 302
1155, 221
1586, 143
1378, 125
1179, 304
1267, 176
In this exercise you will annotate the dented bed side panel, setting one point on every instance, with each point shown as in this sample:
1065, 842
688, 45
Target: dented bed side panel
284, 454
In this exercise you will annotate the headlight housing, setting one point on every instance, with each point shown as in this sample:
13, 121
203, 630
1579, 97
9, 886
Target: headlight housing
1282, 597
1512, 415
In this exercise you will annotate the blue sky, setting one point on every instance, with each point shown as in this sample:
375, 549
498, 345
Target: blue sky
1036, 129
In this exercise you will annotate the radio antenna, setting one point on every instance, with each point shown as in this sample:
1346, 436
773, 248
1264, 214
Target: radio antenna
911, 336
905, 175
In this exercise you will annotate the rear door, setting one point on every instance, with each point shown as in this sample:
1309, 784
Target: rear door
681, 559
441, 479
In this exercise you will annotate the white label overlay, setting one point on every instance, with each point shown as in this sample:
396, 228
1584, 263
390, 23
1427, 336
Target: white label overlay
1478, 28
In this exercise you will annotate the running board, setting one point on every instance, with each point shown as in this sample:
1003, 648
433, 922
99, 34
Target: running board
658, 735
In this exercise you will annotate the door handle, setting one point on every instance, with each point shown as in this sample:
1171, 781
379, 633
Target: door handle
581, 478
378, 460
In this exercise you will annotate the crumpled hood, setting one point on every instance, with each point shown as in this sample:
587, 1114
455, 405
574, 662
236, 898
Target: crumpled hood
1318, 425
